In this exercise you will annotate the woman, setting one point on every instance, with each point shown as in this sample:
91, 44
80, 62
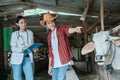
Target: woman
60, 55
21, 61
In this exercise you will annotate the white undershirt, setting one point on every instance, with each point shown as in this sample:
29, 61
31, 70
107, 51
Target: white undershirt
54, 41
24, 37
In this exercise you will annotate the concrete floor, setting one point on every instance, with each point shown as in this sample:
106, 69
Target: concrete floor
77, 72
71, 75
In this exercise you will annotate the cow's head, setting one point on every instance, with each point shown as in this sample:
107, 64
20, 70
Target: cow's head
102, 45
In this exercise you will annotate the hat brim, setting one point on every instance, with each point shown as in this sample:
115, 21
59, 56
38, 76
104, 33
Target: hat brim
43, 22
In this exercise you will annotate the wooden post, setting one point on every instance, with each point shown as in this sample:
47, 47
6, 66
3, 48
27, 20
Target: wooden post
96, 29
102, 14
85, 42
102, 28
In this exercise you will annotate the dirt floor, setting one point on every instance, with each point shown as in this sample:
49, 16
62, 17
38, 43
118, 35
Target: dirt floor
44, 76
85, 76
38, 76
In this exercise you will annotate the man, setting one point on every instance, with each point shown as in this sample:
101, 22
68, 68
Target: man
60, 55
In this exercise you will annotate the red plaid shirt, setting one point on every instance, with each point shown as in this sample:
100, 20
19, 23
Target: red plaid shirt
63, 45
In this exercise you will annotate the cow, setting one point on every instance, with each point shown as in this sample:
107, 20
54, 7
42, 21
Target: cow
107, 53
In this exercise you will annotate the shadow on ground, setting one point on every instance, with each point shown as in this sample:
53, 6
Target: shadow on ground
82, 75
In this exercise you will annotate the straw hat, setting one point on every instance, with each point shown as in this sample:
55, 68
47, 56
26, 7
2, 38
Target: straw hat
47, 17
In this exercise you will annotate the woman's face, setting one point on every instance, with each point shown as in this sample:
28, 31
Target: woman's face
22, 24
50, 25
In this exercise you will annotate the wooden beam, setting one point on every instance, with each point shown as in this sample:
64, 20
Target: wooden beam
53, 7
102, 28
97, 22
89, 4
25, 0
14, 12
102, 14
57, 8
46, 6
93, 26
12, 3
56, 2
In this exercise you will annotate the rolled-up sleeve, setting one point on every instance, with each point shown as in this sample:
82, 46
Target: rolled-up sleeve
65, 29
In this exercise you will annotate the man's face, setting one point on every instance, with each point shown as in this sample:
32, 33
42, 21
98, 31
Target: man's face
50, 24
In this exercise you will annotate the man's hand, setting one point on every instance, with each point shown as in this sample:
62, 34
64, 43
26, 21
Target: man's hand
78, 29
50, 71
73, 30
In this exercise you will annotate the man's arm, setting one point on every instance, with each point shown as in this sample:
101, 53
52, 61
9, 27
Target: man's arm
73, 30
49, 67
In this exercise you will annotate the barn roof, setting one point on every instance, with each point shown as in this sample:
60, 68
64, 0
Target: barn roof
88, 10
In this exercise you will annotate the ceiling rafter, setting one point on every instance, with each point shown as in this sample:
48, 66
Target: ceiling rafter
94, 24
44, 6
40, 4
14, 12
53, 7
25, 0
73, 9
89, 4
56, 2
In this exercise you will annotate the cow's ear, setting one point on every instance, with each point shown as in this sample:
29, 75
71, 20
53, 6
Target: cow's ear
116, 42
88, 48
